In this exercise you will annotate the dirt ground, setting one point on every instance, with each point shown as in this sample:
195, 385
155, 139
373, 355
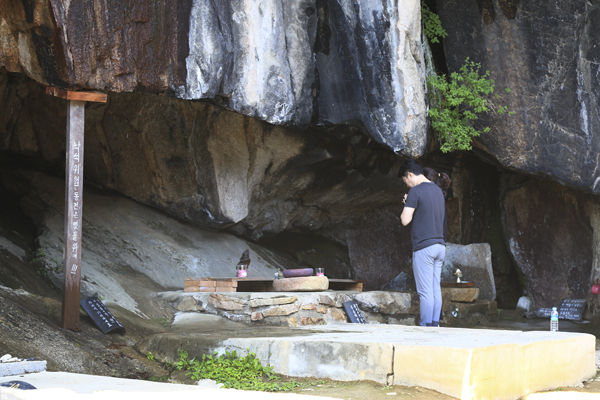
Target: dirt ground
374, 391
371, 391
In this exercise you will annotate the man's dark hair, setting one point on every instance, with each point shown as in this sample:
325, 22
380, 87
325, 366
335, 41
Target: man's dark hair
412, 166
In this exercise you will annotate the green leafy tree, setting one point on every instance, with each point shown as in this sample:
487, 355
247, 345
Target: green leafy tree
457, 102
432, 26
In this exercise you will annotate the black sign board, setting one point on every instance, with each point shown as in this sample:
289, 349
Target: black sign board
354, 313
571, 309
543, 312
18, 385
103, 319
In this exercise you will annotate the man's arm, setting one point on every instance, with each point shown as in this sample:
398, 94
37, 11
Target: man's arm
407, 215
445, 228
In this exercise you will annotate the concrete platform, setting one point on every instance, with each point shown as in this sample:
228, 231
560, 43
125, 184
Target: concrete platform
64, 386
464, 363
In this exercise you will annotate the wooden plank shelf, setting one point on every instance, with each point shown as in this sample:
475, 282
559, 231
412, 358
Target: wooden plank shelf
73, 95
463, 284
254, 285
345, 284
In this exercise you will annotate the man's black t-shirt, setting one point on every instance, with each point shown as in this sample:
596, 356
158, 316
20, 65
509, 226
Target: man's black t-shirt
429, 217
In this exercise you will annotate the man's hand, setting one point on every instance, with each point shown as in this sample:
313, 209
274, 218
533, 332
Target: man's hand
407, 212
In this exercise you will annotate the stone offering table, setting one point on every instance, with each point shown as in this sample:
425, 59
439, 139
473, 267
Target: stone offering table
463, 292
463, 299
301, 284
266, 285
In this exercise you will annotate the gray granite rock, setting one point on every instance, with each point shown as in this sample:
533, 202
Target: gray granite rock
384, 302
285, 62
551, 237
189, 304
398, 284
372, 66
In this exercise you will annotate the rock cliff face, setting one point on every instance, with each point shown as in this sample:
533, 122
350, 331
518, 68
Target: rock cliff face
276, 145
550, 234
373, 66
284, 62
548, 54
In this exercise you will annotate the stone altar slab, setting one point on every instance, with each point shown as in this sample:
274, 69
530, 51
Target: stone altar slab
475, 262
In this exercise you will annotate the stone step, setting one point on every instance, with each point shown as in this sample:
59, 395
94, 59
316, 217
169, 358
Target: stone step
464, 363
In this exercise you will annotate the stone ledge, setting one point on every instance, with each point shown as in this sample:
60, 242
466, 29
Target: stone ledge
299, 308
266, 307
21, 367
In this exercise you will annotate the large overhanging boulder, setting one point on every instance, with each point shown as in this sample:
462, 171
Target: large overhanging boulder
285, 62
213, 167
205, 164
547, 53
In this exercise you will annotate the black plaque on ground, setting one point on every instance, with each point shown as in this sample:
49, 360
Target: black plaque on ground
103, 319
356, 316
571, 309
543, 312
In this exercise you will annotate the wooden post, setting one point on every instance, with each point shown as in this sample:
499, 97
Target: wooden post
74, 200
73, 213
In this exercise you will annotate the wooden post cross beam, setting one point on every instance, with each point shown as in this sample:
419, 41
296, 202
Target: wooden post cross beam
74, 199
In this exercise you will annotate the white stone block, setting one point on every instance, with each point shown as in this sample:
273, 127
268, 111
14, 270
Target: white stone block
21, 367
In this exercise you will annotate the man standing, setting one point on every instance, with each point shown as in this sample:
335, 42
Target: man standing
424, 206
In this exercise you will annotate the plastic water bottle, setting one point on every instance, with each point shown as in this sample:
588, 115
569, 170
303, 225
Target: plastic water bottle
554, 320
